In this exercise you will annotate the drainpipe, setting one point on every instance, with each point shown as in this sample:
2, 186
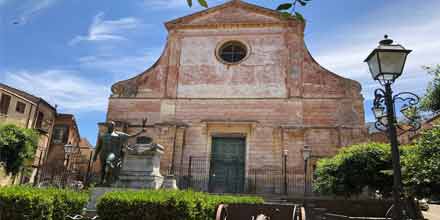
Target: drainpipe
49, 141
39, 138
36, 113
29, 116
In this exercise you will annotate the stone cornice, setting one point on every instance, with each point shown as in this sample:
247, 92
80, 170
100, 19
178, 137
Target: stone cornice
292, 98
229, 25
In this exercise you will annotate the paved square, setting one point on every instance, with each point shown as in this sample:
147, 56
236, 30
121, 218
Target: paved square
433, 213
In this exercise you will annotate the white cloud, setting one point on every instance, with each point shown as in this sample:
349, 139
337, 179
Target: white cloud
177, 4
350, 47
32, 8
122, 67
104, 30
63, 88
164, 4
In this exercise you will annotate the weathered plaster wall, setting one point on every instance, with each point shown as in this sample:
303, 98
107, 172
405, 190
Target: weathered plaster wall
261, 75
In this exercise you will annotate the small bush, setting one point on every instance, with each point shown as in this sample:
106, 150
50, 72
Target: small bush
354, 168
23, 203
164, 205
67, 202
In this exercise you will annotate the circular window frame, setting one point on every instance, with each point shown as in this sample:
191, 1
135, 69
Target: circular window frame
223, 43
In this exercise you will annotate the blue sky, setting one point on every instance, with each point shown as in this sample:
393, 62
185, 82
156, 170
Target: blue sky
70, 52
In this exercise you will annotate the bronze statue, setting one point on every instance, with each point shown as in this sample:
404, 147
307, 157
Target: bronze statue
110, 150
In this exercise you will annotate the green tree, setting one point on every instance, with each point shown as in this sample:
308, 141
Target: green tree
421, 174
431, 101
17, 146
369, 165
287, 9
354, 168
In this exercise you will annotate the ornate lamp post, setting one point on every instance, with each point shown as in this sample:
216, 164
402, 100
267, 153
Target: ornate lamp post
306, 152
386, 64
285, 154
68, 150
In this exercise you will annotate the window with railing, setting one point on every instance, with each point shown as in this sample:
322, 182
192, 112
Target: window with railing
60, 134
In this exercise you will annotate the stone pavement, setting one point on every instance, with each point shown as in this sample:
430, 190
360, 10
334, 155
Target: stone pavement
433, 213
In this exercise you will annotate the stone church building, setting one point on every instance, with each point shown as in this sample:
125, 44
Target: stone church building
236, 92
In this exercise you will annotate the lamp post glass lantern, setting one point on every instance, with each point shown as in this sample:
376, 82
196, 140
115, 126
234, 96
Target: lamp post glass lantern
386, 64
306, 152
387, 61
68, 150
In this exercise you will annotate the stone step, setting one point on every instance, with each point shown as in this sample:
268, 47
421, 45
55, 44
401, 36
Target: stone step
97, 193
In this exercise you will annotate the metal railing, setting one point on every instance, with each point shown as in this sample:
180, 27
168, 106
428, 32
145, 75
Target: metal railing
196, 175
76, 174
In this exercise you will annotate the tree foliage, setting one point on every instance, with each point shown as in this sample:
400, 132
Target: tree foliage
354, 168
17, 146
369, 165
422, 165
431, 101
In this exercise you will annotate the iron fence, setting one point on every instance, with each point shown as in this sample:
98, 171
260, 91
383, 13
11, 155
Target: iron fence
197, 175
74, 173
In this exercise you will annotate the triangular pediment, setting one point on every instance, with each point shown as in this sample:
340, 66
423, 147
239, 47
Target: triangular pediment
232, 12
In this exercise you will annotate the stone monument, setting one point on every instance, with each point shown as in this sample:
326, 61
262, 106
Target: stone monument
141, 167
134, 166
110, 149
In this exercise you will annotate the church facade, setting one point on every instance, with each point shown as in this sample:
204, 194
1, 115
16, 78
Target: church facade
235, 91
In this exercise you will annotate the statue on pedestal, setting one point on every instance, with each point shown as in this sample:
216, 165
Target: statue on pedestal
110, 150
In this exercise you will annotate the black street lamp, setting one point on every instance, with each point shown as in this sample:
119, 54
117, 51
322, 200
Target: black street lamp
285, 154
386, 64
68, 150
307, 153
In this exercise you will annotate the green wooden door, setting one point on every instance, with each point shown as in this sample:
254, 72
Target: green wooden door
227, 168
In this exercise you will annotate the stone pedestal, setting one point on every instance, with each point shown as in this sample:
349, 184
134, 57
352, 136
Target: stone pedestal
141, 167
170, 182
95, 194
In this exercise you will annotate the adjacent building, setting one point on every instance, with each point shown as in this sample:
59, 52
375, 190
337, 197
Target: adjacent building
428, 121
65, 132
410, 137
28, 111
56, 130
64, 167
235, 97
